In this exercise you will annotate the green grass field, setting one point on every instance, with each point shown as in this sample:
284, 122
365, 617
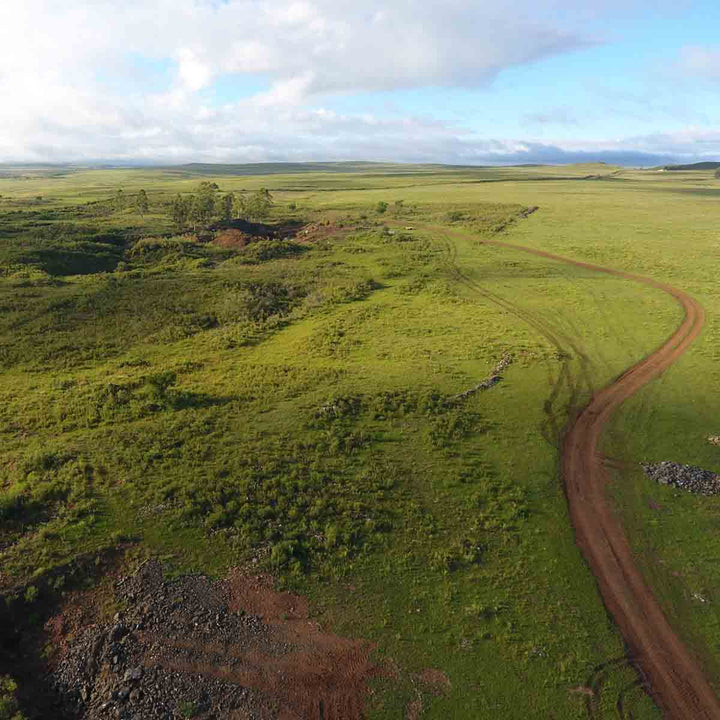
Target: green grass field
295, 403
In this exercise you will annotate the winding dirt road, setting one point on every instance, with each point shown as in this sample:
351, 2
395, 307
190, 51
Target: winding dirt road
671, 671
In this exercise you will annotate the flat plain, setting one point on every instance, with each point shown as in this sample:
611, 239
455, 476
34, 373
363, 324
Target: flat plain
291, 402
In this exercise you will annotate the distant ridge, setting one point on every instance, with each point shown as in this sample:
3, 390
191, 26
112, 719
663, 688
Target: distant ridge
708, 165
289, 168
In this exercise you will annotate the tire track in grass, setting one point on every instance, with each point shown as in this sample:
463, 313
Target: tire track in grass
564, 346
667, 667
553, 425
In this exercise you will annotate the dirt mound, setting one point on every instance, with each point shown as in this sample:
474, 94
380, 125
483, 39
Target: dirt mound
319, 231
232, 238
199, 648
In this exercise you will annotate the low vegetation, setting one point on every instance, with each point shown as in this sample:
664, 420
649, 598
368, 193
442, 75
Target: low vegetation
270, 370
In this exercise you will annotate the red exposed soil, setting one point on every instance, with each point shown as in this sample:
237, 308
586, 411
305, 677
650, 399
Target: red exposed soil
326, 677
235, 647
672, 671
232, 239
436, 680
320, 231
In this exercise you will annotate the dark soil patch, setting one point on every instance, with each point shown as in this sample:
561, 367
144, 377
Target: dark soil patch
278, 231
241, 232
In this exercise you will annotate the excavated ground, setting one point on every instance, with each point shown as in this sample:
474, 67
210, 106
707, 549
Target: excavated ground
195, 647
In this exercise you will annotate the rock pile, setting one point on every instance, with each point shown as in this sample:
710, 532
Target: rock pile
686, 477
150, 662
494, 378
208, 649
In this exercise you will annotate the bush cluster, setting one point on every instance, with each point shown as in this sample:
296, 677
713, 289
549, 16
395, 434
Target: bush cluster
9, 706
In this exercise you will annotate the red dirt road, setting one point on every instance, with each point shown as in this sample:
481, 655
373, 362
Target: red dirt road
672, 672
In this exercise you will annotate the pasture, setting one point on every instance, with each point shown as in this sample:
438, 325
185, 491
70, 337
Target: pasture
293, 405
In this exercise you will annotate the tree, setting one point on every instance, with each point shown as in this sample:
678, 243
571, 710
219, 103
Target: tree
258, 205
9, 707
204, 203
141, 203
228, 205
119, 200
717, 173
240, 205
181, 211
381, 208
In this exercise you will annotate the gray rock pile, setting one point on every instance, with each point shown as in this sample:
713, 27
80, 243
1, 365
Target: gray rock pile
173, 652
489, 382
686, 477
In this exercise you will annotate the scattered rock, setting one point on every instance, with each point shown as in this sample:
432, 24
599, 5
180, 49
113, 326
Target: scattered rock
494, 378
133, 674
118, 631
686, 477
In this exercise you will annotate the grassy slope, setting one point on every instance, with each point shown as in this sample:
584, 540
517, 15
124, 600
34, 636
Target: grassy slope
667, 229
527, 616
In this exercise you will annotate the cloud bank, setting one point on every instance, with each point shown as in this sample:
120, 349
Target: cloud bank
133, 81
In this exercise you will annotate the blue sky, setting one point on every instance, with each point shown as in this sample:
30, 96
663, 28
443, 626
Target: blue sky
467, 81
629, 85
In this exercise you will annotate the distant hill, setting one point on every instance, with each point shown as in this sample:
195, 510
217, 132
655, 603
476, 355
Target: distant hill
289, 168
708, 165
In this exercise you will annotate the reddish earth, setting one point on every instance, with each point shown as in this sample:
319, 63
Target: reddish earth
670, 669
231, 648
320, 231
325, 677
232, 238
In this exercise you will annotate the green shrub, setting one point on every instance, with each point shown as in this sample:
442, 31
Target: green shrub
452, 426
188, 709
9, 707
159, 384
159, 246
12, 503
264, 250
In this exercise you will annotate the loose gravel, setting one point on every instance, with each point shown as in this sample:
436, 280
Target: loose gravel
686, 477
194, 647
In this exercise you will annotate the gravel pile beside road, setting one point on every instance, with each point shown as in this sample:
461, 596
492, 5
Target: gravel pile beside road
686, 477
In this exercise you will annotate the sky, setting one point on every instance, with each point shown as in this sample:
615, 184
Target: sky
474, 82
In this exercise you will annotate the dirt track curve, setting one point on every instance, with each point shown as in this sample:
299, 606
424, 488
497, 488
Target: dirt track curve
669, 668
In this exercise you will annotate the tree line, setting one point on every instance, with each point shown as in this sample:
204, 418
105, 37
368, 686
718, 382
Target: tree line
207, 204
201, 208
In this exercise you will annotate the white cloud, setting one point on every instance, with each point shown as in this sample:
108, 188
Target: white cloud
194, 73
65, 64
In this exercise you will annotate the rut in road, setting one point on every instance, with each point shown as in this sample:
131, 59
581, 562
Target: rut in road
670, 670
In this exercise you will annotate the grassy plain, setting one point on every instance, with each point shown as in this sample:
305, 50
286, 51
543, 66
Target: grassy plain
216, 406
